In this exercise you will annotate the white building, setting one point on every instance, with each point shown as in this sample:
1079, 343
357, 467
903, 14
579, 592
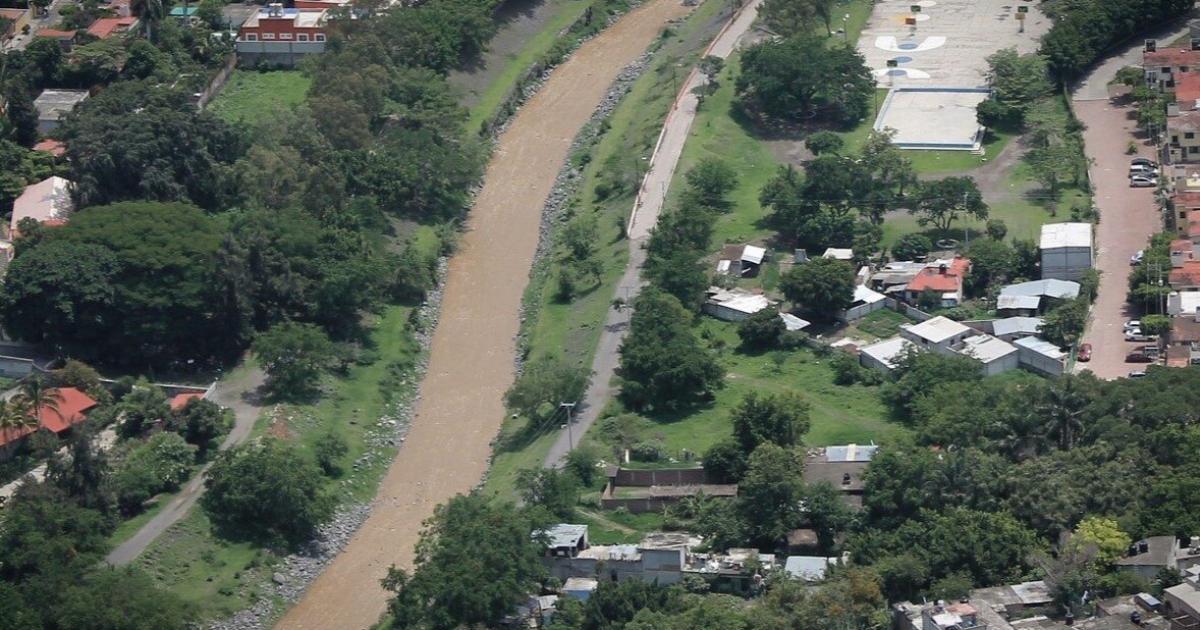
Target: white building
996, 356
885, 355
1067, 250
52, 105
48, 202
865, 301
1040, 356
1011, 328
939, 334
733, 305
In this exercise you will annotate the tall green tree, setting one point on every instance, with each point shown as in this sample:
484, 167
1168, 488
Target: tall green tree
663, 366
788, 81
780, 419
941, 202
294, 356
268, 492
474, 559
822, 286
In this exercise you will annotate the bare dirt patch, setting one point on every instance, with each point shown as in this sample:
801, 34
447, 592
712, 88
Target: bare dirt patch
471, 356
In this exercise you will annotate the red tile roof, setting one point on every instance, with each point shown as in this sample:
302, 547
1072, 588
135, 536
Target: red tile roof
56, 34
181, 400
1187, 200
1173, 57
105, 27
1187, 89
70, 411
51, 146
1186, 276
932, 278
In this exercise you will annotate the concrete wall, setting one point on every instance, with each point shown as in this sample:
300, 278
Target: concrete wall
1039, 362
15, 367
287, 54
663, 477
1010, 362
1066, 263
860, 311
723, 313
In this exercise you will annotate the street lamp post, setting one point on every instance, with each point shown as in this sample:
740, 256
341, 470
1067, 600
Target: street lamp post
570, 438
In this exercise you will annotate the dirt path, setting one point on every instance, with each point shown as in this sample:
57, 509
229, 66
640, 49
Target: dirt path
471, 358
649, 203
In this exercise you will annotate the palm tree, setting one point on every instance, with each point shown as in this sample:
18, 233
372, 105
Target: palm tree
37, 395
1062, 409
15, 415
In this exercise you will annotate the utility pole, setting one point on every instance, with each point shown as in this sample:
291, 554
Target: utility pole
570, 439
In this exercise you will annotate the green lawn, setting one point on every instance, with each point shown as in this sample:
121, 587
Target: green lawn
880, 324
515, 65
218, 578
839, 414
252, 96
573, 329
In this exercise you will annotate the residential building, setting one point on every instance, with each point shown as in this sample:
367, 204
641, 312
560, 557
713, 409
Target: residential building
18, 19
1183, 340
70, 410
1183, 303
282, 36
322, 4
579, 588
939, 334
565, 540
48, 202
894, 276
66, 39
54, 147
1067, 250
809, 568
733, 305
839, 253
1013, 328
994, 355
1183, 144
842, 467
1041, 356
185, 14
52, 105
179, 401
1187, 91
865, 301
1165, 67
1035, 296
1187, 207
106, 27
1148, 556
742, 261
942, 277
885, 355
1182, 601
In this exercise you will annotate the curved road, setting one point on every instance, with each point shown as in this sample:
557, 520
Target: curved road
471, 357
647, 207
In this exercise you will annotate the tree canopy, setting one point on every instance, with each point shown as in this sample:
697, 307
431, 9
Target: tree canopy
788, 81
663, 365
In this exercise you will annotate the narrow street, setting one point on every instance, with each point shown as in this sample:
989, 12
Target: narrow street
1128, 216
647, 207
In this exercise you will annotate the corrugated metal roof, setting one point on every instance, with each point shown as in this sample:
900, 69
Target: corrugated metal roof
850, 453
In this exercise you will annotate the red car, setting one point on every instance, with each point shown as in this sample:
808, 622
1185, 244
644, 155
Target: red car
1085, 352
1137, 357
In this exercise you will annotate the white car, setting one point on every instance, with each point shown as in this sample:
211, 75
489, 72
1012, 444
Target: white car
1133, 324
1142, 169
1137, 335
1137, 374
1136, 259
1143, 181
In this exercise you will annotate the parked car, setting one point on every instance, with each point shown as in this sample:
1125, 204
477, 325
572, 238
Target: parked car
1133, 324
1085, 352
1138, 335
1136, 259
1143, 161
1137, 374
1143, 181
1142, 169
1137, 357
1150, 351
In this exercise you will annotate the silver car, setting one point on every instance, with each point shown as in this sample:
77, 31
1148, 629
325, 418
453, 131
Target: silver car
1143, 181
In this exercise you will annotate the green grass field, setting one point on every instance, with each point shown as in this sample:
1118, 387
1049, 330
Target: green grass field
215, 577
573, 329
880, 324
252, 96
839, 414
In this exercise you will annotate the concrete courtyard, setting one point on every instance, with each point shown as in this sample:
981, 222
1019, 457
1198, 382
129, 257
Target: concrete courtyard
932, 118
950, 42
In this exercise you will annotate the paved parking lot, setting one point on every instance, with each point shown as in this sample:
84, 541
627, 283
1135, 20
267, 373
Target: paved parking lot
949, 44
1128, 216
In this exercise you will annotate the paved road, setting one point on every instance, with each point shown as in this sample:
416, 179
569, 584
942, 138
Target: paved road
20, 41
643, 218
461, 407
1128, 216
241, 396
